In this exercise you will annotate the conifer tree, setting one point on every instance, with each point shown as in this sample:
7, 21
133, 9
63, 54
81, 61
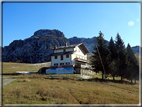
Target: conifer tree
102, 48
132, 64
121, 58
136, 74
113, 58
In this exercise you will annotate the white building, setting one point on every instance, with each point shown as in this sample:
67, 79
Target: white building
69, 59
69, 55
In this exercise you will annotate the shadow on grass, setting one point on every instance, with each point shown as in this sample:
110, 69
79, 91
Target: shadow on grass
52, 77
11, 74
114, 81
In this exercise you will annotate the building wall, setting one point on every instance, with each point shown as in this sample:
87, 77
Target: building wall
80, 70
67, 70
61, 50
58, 60
78, 54
86, 71
78, 51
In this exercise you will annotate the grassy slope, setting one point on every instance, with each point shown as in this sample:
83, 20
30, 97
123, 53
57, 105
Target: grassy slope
9, 67
38, 89
43, 89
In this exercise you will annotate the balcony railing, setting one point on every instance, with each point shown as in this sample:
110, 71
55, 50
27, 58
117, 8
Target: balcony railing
80, 59
83, 66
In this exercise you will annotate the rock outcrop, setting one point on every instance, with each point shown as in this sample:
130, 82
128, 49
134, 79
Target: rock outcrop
88, 42
35, 49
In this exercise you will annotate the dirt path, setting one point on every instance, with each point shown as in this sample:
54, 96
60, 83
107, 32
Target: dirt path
7, 80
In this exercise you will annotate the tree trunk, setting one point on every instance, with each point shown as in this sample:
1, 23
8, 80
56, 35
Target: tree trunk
113, 78
121, 78
102, 76
131, 81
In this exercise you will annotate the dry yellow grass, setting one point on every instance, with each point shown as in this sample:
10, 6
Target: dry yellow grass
64, 89
10, 67
40, 89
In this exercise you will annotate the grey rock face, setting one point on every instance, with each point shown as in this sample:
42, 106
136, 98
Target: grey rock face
43, 32
90, 43
35, 49
76, 40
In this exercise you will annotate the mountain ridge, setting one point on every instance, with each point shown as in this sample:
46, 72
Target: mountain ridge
38, 47
89, 43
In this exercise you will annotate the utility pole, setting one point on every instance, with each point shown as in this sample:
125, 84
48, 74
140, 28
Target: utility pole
101, 62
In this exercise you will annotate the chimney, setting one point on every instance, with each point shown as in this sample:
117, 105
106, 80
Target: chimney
66, 44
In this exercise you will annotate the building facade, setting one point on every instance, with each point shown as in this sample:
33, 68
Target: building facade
69, 55
70, 59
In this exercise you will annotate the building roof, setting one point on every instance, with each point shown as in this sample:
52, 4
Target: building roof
64, 47
83, 46
73, 46
62, 53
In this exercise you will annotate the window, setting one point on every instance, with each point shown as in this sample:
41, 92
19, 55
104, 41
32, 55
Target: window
61, 63
67, 56
64, 50
61, 57
67, 63
56, 64
55, 57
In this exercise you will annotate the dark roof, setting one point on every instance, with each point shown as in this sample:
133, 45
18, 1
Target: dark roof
61, 53
83, 46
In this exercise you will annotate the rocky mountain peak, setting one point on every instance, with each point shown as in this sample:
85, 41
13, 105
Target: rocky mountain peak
36, 48
44, 32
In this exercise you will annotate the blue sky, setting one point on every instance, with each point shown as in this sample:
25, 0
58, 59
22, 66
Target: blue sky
21, 20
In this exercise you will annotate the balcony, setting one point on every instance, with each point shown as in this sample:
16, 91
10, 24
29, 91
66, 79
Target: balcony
83, 66
80, 60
